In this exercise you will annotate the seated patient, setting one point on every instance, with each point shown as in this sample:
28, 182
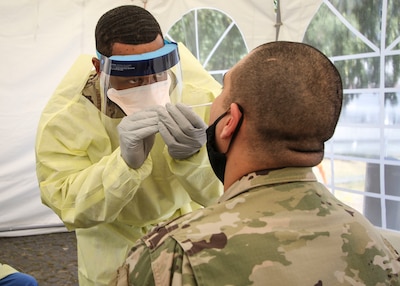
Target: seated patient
12, 277
274, 224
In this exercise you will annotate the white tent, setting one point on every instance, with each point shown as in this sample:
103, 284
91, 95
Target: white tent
40, 40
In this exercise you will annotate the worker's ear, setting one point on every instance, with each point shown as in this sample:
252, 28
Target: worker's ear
234, 117
96, 64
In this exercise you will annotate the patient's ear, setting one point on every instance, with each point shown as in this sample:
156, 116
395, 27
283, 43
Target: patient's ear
234, 115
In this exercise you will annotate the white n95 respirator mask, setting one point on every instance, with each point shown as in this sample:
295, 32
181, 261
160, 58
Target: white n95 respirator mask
138, 98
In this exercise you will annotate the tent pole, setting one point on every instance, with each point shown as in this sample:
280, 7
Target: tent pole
278, 23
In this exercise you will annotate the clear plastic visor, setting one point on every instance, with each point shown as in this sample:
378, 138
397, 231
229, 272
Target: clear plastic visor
140, 76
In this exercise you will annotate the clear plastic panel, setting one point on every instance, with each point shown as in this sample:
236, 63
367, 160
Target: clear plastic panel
392, 144
360, 108
357, 141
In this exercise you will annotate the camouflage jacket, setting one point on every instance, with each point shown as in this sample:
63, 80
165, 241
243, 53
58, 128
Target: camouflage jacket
270, 228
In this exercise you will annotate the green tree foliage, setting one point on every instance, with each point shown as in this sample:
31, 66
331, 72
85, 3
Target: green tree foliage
362, 70
212, 36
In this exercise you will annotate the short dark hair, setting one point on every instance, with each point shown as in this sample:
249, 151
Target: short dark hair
128, 24
291, 94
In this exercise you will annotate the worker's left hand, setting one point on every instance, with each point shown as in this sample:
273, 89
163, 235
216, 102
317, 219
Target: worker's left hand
137, 135
183, 131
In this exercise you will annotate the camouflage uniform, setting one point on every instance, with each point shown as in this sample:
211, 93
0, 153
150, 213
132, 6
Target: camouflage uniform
270, 228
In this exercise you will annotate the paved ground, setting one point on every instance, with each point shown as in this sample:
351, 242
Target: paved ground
50, 258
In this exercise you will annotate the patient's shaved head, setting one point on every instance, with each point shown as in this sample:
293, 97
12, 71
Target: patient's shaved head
291, 94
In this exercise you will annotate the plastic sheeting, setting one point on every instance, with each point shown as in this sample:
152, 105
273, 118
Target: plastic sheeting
39, 41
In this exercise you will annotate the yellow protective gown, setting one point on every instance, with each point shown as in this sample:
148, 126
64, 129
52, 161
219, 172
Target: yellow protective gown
85, 181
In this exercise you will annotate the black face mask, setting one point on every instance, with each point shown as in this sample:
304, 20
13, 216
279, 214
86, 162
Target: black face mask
218, 159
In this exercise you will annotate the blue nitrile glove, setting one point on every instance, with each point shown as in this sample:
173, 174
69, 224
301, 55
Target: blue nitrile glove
183, 131
136, 136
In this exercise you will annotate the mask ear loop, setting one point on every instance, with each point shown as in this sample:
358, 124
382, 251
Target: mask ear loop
237, 127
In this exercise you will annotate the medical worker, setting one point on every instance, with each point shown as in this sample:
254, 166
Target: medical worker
118, 148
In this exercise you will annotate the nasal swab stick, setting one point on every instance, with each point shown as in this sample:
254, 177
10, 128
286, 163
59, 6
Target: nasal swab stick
201, 104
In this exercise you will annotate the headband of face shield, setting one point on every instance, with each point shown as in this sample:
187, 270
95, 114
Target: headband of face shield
134, 82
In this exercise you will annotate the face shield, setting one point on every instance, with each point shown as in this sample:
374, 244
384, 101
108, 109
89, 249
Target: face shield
130, 83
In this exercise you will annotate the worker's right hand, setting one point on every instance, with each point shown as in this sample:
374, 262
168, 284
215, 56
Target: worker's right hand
136, 136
